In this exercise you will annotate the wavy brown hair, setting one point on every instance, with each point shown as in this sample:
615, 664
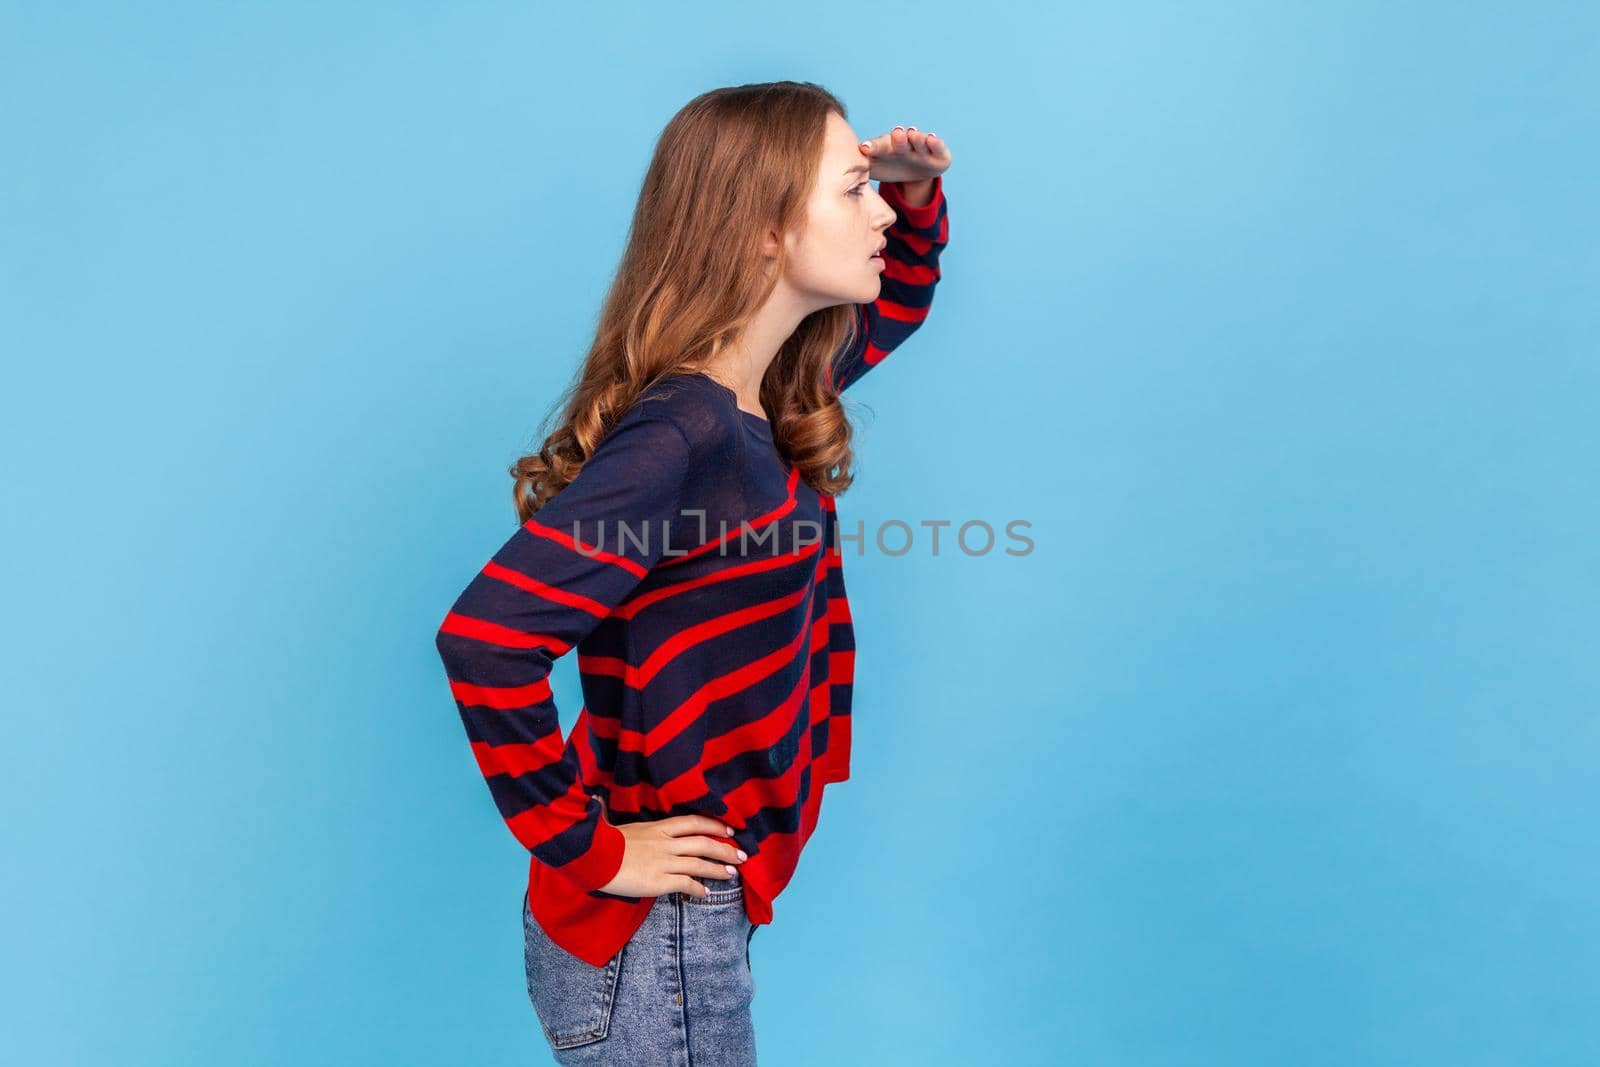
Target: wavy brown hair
733, 163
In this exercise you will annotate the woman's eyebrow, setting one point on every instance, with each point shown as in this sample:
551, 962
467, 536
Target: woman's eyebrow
861, 168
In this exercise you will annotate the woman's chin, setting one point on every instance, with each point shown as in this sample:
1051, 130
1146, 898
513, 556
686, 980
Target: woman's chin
865, 294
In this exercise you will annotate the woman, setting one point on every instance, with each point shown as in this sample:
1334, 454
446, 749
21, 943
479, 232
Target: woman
679, 530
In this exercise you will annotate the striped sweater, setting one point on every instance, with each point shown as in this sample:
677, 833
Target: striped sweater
700, 580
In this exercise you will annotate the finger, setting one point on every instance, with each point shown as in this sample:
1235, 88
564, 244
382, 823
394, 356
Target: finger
879, 145
685, 885
898, 139
705, 846
685, 825
702, 868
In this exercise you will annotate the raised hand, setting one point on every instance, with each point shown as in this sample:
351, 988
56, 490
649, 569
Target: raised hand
906, 154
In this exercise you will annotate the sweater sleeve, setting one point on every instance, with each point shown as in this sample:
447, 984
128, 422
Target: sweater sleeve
911, 270
549, 586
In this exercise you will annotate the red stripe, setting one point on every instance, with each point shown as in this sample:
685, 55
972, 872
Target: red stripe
580, 738
842, 666
900, 312
548, 592
910, 273
518, 758
632, 607
819, 634
533, 526
693, 635
493, 633
543, 821
605, 666
835, 763
838, 609
603, 727
501, 698
763, 520
916, 242
918, 216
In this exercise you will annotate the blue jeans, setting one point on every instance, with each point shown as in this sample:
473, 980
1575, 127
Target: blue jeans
676, 995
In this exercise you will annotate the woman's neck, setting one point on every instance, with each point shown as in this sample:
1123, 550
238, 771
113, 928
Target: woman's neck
742, 365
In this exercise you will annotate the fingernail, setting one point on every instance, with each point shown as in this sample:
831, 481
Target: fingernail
910, 127
867, 146
729, 830
729, 868
742, 854
899, 127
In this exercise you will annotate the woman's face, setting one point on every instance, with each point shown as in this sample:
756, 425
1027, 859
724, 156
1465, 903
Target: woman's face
831, 257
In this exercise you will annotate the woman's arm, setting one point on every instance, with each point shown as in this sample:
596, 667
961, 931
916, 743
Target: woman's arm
910, 273
545, 590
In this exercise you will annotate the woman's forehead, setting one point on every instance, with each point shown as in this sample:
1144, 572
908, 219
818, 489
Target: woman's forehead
840, 149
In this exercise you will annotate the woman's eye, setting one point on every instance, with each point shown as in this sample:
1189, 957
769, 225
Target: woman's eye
856, 191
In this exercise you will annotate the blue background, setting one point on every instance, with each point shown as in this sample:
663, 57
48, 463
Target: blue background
1276, 321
